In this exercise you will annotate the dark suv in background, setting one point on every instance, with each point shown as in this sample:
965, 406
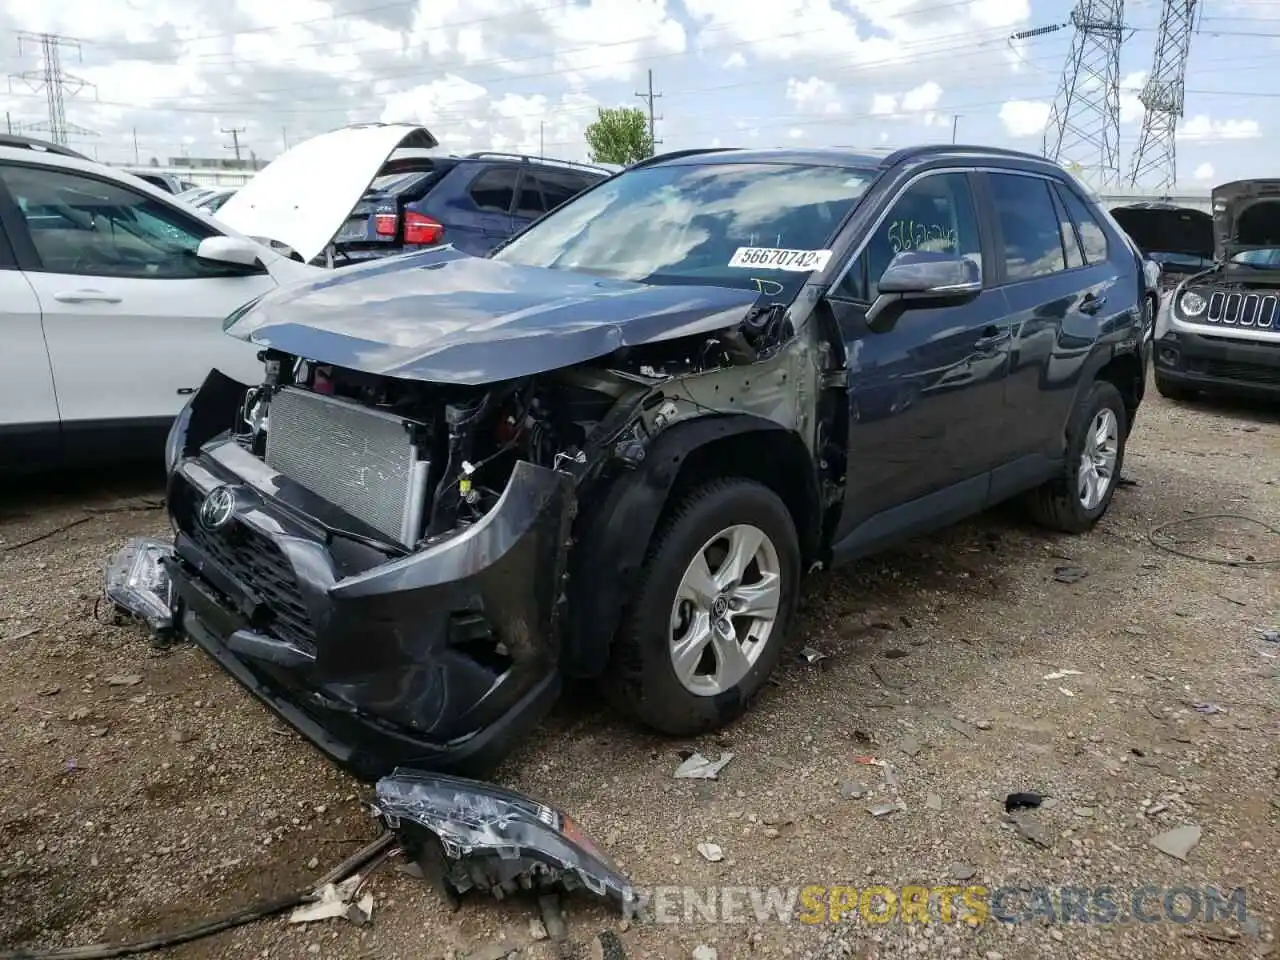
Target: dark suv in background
473, 202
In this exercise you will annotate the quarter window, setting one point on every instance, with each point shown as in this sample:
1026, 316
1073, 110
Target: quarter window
1092, 237
1032, 235
1070, 243
531, 203
935, 215
84, 226
494, 190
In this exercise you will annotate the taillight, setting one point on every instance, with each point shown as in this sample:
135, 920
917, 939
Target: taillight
420, 229
386, 224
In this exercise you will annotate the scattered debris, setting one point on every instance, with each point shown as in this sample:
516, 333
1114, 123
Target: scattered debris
21, 636
137, 582
963, 871
964, 729
553, 917
933, 801
1060, 674
1270, 635
611, 946
49, 690
882, 809
909, 745
538, 929
1022, 801
703, 952
1034, 833
1069, 574
123, 680
698, 767
1156, 809
469, 835
335, 901
711, 852
1065, 692
1177, 842
852, 790
1085, 812
894, 653
810, 655
1208, 708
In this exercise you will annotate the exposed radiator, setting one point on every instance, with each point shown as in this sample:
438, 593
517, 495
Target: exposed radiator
360, 460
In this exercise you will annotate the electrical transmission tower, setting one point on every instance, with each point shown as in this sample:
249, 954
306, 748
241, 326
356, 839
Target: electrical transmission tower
649, 98
1164, 97
57, 84
1084, 124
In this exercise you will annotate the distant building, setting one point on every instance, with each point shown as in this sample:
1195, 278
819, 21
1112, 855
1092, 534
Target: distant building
251, 164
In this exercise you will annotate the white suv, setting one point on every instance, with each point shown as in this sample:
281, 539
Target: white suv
113, 293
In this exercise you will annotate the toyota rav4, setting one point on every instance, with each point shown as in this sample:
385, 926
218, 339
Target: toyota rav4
612, 448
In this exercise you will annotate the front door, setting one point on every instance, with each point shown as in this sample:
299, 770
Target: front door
132, 318
925, 398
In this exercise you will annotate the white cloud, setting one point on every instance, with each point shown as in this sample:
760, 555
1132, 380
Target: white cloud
923, 97
813, 95
1024, 118
1204, 172
1131, 109
917, 104
1206, 130
884, 105
734, 61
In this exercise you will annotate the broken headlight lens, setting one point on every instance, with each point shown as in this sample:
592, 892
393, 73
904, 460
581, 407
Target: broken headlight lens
138, 583
1191, 304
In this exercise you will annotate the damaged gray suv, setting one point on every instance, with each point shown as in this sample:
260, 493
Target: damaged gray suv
610, 449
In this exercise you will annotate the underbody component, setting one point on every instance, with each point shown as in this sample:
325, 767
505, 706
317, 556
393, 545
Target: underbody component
467, 835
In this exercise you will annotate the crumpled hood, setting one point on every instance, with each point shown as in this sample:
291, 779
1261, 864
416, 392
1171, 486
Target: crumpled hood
1246, 216
1167, 229
446, 317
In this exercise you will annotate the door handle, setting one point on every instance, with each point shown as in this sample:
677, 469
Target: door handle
991, 339
1092, 303
85, 296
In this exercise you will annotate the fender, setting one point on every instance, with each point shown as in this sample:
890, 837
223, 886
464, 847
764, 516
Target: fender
614, 531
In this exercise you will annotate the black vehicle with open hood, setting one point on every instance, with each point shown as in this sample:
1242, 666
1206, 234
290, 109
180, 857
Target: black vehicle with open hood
1222, 330
1179, 239
609, 449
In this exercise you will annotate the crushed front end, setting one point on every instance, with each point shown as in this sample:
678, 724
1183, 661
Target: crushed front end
340, 550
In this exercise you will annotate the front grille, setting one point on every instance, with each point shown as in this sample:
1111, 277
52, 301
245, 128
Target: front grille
362, 461
1242, 309
258, 565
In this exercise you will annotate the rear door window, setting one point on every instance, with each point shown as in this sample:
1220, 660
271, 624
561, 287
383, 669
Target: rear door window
1092, 237
559, 187
1029, 225
531, 205
494, 190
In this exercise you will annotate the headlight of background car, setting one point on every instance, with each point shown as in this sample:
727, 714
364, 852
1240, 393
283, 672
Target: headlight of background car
1191, 304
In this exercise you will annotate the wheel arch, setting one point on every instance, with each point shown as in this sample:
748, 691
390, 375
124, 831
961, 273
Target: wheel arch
614, 529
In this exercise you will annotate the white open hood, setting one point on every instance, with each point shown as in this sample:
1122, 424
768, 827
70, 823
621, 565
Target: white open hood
303, 197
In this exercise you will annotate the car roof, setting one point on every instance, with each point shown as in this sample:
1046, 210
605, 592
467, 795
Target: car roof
867, 158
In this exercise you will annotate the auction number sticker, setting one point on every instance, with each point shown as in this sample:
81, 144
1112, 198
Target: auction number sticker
771, 258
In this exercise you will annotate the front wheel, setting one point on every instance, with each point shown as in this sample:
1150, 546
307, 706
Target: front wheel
1076, 500
711, 609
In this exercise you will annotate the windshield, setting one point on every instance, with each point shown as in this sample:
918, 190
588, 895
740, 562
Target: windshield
727, 224
1268, 257
1180, 259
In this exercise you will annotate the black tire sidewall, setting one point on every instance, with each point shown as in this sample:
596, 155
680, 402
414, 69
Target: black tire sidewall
1101, 394
663, 700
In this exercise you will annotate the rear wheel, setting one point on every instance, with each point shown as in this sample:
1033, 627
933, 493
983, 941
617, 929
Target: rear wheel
1076, 500
1172, 391
711, 610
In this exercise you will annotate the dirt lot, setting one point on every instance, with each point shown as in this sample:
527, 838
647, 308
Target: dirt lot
141, 790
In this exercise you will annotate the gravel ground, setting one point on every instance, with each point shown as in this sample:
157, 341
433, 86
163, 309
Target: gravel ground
142, 790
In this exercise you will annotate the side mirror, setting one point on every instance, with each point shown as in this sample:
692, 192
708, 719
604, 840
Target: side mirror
232, 251
917, 278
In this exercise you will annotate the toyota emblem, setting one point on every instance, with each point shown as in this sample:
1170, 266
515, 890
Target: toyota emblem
218, 508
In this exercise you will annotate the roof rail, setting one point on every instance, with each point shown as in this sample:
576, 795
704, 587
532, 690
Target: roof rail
525, 158
44, 146
677, 154
932, 149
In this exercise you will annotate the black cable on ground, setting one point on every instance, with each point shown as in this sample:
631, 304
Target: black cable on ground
1153, 533
377, 850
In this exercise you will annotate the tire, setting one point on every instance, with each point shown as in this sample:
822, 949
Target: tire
1172, 391
1058, 505
642, 680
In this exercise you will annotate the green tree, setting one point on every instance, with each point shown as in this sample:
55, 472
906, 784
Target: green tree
619, 135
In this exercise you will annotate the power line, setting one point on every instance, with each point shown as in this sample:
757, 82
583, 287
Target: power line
235, 138
56, 83
649, 98
1164, 98
1084, 122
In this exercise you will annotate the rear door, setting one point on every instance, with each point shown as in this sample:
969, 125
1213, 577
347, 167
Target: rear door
28, 404
481, 217
131, 317
1059, 287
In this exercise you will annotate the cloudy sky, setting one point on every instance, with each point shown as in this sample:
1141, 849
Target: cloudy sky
520, 74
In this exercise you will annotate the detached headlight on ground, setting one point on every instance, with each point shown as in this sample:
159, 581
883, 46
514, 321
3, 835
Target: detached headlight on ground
1192, 304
